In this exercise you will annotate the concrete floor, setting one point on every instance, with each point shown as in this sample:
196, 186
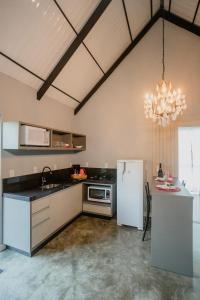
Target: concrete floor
95, 259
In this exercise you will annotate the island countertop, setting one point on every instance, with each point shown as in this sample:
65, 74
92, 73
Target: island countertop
172, 230
183, 191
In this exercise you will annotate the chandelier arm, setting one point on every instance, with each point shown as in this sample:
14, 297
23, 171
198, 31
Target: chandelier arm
166, 104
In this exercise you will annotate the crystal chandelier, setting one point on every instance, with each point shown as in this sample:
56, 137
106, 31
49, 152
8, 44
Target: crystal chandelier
166, 103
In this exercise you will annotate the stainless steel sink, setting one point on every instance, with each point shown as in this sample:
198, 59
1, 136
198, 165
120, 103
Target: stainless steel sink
50, 186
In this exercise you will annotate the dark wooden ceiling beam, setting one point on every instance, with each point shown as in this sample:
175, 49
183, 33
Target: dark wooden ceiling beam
174, 19
196, 11
127, 20
35, 75
73, 47
152, 21
151, 8
170, 5
161, 4
73, 28
161, 13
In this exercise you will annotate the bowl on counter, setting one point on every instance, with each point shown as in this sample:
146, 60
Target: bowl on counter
79, 176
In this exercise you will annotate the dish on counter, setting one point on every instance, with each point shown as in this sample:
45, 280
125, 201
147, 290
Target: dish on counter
161, 179
164, 179
168, 188
79, 147
79, 176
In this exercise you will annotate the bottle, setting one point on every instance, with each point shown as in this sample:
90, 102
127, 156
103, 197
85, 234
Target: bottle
160, 171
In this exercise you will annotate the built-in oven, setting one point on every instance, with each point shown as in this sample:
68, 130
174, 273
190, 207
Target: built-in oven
99, 193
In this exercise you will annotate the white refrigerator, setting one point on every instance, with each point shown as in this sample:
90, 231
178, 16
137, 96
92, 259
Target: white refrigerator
130, 185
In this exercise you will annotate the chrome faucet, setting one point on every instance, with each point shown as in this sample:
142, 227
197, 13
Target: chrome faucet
44, 180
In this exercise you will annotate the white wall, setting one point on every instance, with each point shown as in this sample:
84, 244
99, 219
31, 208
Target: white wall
113, 119
18, 102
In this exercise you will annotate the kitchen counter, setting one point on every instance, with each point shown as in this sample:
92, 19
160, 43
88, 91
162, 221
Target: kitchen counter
183, 191
172, 230
33, 215
37, 192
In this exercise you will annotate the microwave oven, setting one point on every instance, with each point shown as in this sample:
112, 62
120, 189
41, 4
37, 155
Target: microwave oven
99, 193
34, 136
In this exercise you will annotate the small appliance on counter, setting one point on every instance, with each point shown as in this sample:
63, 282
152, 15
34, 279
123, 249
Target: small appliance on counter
34, 136
78, 173
76, 169
99, 193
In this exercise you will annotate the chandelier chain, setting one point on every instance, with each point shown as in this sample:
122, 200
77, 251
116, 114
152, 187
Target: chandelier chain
163, 52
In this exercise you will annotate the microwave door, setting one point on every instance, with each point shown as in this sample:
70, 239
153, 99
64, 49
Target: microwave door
98, 194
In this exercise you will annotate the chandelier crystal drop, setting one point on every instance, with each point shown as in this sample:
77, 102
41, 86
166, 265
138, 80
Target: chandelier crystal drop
166, 103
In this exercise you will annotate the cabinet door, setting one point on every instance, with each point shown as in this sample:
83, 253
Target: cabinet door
16, 224
41, 221
65, 205
58, 213
74, 201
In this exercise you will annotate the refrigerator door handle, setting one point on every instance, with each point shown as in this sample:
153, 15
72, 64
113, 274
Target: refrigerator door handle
124, 170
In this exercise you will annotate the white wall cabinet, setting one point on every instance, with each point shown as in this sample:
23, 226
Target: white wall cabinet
13, 139
27, 224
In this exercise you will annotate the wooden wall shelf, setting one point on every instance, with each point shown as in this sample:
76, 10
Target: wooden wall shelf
60, 141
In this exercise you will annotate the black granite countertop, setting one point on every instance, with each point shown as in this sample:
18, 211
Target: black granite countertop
28, 187
38, 192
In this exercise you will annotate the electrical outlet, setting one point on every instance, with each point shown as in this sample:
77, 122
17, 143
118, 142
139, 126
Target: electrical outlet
106, 165
11, 172
35, 169
86, 164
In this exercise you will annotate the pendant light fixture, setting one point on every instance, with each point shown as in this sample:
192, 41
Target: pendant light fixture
166, 103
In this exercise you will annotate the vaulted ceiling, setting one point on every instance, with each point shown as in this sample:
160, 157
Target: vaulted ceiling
66, 49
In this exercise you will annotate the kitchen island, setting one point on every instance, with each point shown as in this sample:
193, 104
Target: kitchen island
172, 230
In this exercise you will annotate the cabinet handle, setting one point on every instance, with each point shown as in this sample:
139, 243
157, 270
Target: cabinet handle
44, 208
40, 222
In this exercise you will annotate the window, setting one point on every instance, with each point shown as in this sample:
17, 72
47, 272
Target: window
189, 157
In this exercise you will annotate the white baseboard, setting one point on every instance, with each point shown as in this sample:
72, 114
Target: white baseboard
2, 247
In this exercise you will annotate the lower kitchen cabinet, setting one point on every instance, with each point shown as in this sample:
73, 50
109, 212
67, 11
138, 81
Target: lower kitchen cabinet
27, 224
41, 219
66, 206
100, 209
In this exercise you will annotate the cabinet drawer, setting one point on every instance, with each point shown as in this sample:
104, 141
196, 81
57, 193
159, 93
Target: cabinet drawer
40, 204
40, 231
97, 209
41, 215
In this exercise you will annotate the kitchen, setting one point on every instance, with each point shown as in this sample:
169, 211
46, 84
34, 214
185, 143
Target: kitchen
93, 253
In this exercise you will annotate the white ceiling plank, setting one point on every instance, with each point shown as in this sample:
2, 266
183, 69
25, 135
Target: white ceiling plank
34, 33
58, 96
78, 11
9, 68
110, 36
184, 8
139, 14
79, 75
156, 6
166, 4
197, 20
